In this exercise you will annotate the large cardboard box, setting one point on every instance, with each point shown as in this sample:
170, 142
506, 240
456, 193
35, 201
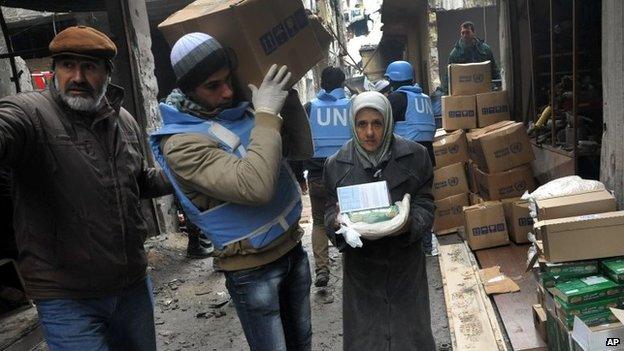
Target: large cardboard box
582, 237
449, 212
492, 107
459, 112
506, 184
450, 148
519, 221
259, 32
485, 225
449, 181
474, 133
502, 148
575, 205
469, 78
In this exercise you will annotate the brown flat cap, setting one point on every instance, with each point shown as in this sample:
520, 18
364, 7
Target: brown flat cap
83, 41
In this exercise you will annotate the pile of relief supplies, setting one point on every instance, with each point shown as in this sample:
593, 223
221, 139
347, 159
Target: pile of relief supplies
577, 258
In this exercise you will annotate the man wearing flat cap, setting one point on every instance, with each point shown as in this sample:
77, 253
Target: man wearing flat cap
79, 175
226, 160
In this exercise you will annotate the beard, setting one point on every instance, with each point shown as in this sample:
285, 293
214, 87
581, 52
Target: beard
82, 103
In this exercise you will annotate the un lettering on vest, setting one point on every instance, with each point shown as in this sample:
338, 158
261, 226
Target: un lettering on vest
490, 110
423, 105
488, 229
331, 116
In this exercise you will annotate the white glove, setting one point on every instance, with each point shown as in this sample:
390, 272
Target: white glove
271, 95
351, 236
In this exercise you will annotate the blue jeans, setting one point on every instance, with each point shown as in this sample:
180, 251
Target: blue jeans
120, 322
273, 303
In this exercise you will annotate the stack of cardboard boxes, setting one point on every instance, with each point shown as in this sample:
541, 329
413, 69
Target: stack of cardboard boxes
498, 161
579, 271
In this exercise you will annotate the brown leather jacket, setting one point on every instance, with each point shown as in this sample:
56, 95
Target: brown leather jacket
77, 184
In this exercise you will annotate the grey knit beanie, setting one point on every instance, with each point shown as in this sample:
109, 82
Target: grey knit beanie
194, 57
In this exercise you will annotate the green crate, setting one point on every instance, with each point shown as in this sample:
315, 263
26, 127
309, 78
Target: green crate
570, 269
566, 311
613, 268
579, 290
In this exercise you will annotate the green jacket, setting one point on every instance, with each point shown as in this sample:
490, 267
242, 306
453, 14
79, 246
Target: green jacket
480, 52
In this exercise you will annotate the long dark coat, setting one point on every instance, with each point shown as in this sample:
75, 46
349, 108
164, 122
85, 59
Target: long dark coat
385, 294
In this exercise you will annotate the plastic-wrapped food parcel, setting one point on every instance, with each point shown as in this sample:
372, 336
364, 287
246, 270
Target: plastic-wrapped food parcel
381, 222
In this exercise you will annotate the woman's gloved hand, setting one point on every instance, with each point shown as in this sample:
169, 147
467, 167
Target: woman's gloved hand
270, 97
351, 236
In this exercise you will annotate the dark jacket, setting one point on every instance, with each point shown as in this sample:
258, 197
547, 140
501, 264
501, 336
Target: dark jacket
77, 185
479, 52
408, 170
385, 296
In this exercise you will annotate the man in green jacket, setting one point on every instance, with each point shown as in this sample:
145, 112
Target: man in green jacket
468, 49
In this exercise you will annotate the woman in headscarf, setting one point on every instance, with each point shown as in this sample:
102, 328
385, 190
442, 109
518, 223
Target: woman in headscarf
385, 294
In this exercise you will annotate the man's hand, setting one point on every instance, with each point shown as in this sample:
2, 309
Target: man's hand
270, 97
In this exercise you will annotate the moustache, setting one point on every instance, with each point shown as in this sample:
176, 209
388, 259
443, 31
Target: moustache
80, 86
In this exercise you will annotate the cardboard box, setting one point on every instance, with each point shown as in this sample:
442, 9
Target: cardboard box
614, 269
459, 112
259, 32
521, 222
582, 237
587, 289
575, 205
492, 107
539, 320
506, 184
474, 133
449, 212
502, 148
450, 148
595, 338
449, 181
485, 225
472, 177
469, 78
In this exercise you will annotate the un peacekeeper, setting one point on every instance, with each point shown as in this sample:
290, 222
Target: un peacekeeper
78, 174
225, 159
328, 113
413, 114
470, 49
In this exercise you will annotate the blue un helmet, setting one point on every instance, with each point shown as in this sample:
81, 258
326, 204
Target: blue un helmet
399, 71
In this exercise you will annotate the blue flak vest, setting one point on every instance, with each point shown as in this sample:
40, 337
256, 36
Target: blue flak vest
419, 123
229, 222
329, 122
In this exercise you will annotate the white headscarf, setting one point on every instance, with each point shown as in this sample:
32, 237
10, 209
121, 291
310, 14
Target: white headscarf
379, 102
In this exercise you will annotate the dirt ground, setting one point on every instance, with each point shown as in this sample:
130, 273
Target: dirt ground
193, 311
